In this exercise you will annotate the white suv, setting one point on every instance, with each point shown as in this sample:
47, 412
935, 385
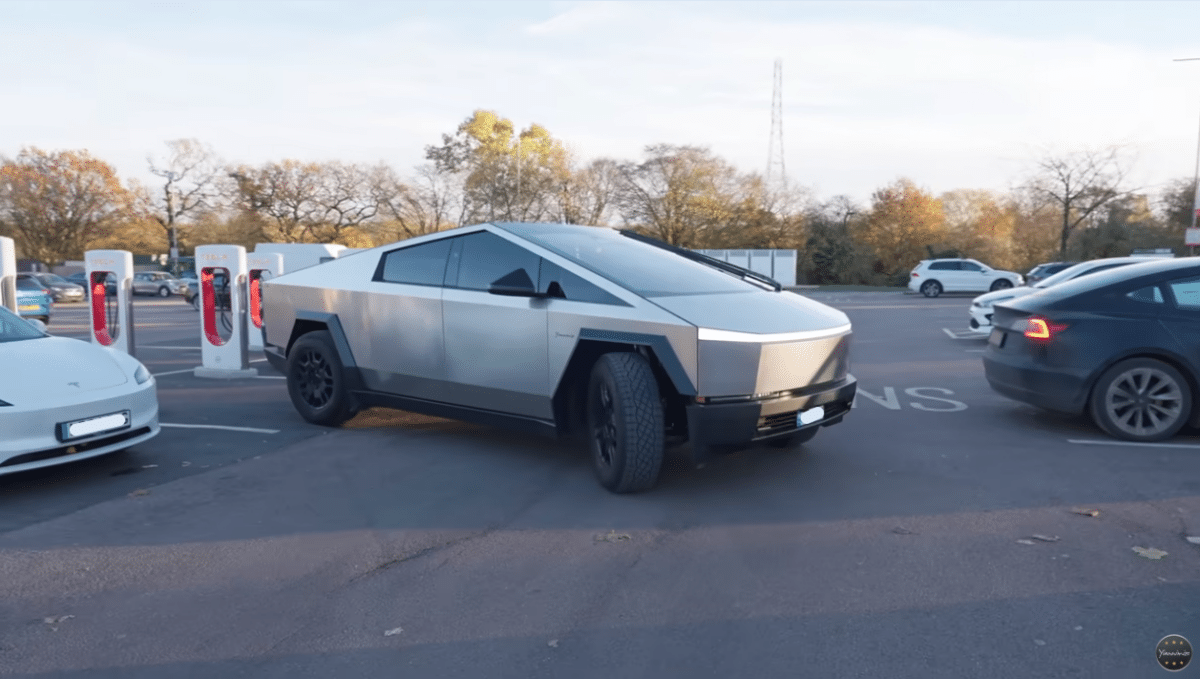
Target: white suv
932, 277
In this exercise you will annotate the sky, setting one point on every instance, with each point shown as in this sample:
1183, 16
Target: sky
952, 95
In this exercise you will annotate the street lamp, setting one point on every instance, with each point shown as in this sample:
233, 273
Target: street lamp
1196, 178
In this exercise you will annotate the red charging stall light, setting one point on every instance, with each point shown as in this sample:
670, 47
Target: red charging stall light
256, 298
99, 313
208, 300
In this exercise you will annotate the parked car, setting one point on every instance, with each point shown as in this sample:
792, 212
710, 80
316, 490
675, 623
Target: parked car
566, 330
33, 300
932, 277
158, 283
64, 399
981, 307
80, 279
191, 295
1043, 271
61, 289
1122, 346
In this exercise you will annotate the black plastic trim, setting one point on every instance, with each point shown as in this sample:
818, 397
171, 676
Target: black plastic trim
662, 350
335, 330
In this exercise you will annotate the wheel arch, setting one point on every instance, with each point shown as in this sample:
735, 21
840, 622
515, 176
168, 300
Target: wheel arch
311, 321
674, 385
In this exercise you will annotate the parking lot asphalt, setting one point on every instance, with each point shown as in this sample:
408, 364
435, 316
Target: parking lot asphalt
940, 531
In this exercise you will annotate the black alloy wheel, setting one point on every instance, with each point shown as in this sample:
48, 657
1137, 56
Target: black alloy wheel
316, 381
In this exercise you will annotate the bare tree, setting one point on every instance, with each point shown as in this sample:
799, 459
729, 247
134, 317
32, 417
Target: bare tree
1079, 184
430, 202
676, 193
589, 195
191, 174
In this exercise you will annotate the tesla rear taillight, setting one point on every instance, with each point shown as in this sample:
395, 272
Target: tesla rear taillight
1042, 329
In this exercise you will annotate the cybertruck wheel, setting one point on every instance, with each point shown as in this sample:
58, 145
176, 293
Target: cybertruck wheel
792, 440
1001, 284
625, 423
1141, 399
931, 288
317, 382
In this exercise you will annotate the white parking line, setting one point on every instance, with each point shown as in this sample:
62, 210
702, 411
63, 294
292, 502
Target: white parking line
965, 335
271, 377
974, 351
252, 430
950, 333
1090, 442
152, 346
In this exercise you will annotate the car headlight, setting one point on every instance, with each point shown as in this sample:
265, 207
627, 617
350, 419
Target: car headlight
142, 375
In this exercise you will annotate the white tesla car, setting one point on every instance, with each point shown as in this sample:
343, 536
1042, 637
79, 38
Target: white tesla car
63, 400
981, 306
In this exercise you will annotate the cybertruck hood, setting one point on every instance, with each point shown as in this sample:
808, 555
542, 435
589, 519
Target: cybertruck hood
754, 312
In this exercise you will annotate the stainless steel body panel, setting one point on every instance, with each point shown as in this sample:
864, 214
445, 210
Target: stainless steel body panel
499, 346
742, 368
753, 312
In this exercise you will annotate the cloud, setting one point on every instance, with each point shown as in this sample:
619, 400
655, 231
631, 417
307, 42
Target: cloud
582, 16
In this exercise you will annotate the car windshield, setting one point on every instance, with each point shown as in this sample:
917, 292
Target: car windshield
14, 328
29, 284
53, 279
639, 267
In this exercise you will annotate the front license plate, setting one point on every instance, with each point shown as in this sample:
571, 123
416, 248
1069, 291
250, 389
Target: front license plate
996, 339
809, 416
93, 425
28, 307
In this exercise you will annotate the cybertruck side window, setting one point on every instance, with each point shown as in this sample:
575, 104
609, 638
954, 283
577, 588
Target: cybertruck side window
572, 287
423, 264
487, 257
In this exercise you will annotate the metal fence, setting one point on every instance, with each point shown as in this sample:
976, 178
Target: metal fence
778, 264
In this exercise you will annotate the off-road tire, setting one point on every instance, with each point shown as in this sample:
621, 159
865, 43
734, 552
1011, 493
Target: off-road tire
316, 380
794, 439
625, 423
1119, 385
1001, 284
931, 289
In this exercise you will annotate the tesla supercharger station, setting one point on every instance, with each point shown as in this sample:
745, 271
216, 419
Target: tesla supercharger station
8, 274
259, 267
222, 357
111, 315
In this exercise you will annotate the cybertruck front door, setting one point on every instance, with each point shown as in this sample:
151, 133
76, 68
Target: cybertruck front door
496, 347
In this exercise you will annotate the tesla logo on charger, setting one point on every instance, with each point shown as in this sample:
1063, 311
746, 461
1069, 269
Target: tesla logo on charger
214, 258
102, 262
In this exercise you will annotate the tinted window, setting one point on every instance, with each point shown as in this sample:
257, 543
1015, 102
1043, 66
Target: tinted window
640, 267
1150, 293
487, 257
423, 264
571, 286
969, 266
944, 266
1186, 293
29, 284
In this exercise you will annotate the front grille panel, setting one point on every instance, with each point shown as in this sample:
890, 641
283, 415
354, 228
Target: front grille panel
780, 422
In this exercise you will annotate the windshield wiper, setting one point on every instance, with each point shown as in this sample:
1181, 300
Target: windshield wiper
702, 258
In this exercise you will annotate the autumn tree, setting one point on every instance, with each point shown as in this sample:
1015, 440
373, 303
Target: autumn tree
903, 223
1078, 185
830, 254
505, 176
1176, 203
678, 194
191, 177
979, 225
54, 204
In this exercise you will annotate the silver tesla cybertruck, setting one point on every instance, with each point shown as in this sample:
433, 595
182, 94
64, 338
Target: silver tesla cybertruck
589, 332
